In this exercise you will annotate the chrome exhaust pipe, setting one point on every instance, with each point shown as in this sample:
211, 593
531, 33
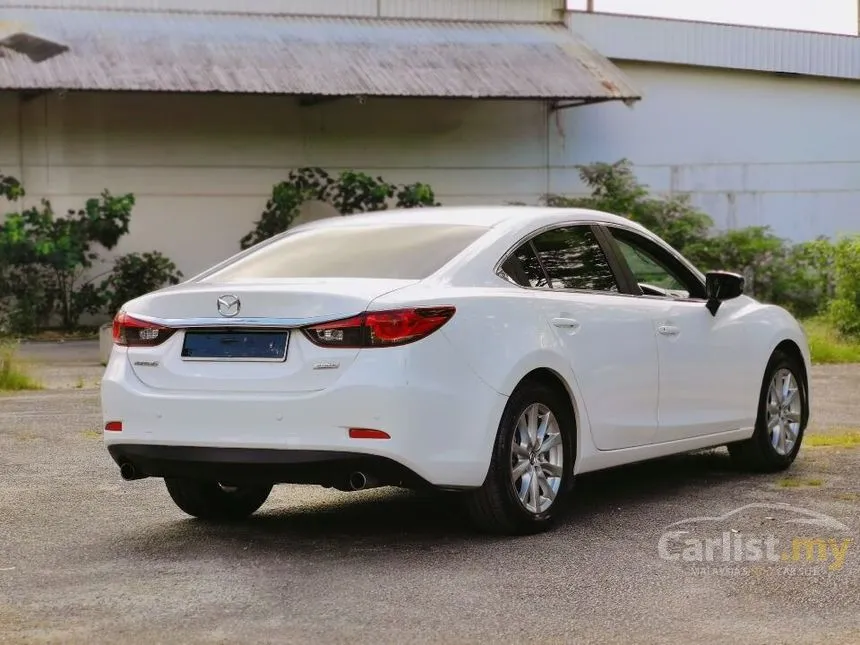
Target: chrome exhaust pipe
360, 481
128, 472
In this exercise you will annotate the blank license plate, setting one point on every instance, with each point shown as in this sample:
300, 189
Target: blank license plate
235, 345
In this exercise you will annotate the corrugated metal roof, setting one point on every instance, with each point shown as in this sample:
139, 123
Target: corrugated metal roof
312, 55
704, 44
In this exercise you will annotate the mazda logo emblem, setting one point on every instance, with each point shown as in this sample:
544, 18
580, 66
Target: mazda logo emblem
229, 306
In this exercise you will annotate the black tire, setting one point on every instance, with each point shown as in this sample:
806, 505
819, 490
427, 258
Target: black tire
757, 453
496, 507
210, 500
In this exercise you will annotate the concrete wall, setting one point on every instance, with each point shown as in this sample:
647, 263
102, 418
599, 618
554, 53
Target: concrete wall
509, 10
751, 148
202, 167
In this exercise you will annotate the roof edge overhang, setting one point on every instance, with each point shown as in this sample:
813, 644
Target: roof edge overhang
312, 56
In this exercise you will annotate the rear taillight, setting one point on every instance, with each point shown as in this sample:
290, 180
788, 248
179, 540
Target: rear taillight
380, 328
131, 332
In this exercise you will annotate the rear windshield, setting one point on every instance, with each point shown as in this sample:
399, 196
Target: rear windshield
407, 252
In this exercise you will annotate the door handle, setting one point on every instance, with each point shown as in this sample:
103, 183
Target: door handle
566, 323
668, 330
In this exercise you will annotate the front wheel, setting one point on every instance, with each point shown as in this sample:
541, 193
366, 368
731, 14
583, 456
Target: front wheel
532, 460
781, 420
211, 500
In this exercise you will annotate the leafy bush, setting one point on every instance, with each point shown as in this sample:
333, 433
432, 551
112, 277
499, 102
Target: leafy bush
45, 260
844, 310
350, 192
799, 277
137, 274
615, 189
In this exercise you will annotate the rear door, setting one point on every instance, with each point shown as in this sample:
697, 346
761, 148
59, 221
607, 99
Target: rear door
607, 337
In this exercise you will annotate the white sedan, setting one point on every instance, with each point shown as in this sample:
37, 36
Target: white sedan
497, 351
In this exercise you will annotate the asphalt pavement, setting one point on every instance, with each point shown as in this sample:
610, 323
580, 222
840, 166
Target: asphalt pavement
86, 557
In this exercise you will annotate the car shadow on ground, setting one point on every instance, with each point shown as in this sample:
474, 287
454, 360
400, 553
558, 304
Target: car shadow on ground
404, 520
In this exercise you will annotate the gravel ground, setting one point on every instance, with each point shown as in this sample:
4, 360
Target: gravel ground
88, 558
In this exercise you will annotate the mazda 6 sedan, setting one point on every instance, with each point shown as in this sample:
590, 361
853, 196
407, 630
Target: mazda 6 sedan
496, 351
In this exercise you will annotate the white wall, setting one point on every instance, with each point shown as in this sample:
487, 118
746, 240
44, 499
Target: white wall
751, 148
202, 167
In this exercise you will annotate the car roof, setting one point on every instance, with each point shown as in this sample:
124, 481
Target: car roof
485, 216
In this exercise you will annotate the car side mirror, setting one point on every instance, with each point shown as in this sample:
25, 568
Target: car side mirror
722, 285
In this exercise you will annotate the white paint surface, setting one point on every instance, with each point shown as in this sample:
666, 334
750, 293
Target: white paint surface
828, 16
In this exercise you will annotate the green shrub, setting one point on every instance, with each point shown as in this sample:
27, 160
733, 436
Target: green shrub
45, 261
799, 277
844, 309
137, 274
350, 192
615, 189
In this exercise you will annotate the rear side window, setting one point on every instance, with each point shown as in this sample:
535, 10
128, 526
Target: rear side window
397, 251
573, 259
523, 268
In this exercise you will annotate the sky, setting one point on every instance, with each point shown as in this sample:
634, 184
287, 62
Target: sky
830, 16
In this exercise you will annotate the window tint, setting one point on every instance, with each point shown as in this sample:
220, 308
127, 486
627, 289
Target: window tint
656, 271
523, 268
573, 259
400, 251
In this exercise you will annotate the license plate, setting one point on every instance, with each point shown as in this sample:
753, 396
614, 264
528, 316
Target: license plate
235, 345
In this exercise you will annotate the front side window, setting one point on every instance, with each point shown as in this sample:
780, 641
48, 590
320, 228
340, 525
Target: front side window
656, 272
573, 259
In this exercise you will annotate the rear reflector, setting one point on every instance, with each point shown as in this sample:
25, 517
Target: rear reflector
113, 426
380, 328
367, 433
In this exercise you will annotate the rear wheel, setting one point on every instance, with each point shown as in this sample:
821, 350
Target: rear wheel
781, 421
210, 500
528, 477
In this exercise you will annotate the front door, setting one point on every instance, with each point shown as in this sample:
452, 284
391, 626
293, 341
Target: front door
707, 376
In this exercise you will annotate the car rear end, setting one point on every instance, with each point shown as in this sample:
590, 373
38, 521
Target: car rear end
278, 366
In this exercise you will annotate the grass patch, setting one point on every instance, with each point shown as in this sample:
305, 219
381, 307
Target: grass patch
792, 482
827, 345
839, 439
13, 373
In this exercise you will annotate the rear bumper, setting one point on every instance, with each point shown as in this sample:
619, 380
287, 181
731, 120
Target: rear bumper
441, 418
248, 465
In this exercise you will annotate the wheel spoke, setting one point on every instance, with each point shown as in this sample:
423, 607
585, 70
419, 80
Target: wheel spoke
548, 491
520, 469
792, 417
549, 443
534, 493
781, 445
520, 450
551, 469
542, 428
532, 424
525, 488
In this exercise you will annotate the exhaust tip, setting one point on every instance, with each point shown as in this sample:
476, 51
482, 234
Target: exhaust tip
357, 480
128, 472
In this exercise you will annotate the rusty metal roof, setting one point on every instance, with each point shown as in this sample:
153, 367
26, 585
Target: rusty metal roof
195, 52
